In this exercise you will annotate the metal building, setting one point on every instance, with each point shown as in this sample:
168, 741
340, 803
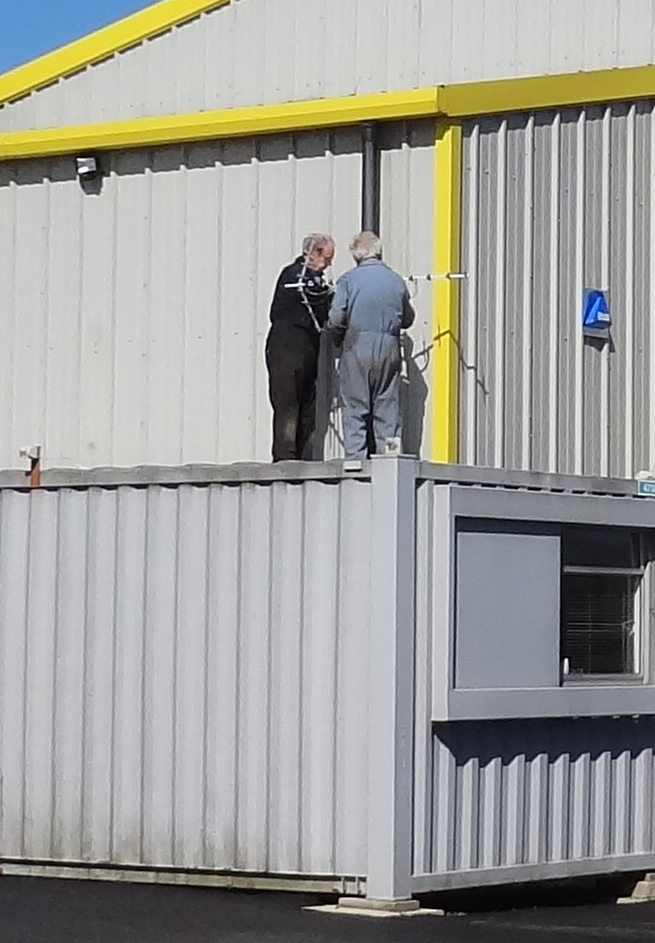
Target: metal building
176, 706
505, 140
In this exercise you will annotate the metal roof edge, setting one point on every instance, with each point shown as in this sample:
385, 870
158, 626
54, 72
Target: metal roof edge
516, 479
543, 92
101, 44
450, 102
221, 124
143, 476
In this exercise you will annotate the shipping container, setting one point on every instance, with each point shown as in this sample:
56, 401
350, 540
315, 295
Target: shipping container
301, 676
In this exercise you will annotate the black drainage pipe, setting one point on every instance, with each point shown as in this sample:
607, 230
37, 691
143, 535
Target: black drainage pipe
370, 179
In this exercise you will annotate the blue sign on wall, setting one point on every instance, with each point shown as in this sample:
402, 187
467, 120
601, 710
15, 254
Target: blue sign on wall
595, 310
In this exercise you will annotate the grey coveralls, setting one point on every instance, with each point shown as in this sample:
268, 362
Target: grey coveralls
371, 305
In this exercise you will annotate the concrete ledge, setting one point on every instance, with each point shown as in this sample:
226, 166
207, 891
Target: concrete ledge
370, 907
643, 892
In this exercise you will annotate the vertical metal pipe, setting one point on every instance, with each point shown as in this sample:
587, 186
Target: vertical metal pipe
35, 472
370, 179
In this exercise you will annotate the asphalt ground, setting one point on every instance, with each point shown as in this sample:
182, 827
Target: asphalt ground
38, 910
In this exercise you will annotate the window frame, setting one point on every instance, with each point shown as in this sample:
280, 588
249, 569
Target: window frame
642, 616
529, 501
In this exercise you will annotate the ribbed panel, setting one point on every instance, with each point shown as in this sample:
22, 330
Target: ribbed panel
553, 204
407, 198
135, 319
184, 676
531, 792
494, 794
264, 51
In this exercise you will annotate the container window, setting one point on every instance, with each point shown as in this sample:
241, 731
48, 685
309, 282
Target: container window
600, 594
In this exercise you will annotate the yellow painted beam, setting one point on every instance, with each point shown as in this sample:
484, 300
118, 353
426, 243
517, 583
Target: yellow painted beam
450, 101
445, 351
500, 96
105, 42
227, 123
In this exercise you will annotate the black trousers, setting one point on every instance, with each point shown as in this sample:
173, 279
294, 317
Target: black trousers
292, 363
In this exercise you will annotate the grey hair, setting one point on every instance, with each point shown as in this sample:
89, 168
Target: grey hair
316, 240
366, 245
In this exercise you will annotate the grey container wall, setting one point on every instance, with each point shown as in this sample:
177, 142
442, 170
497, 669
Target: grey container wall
553, 203
176, 667
529, 800
236, 674
498, 800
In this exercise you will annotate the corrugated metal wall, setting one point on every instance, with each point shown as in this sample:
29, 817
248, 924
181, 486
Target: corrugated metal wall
407, 214
185, 682
134, 319
555, 203
530, 792
262, 51
184, 676
496, 794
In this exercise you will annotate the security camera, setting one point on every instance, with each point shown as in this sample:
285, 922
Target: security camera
87, 167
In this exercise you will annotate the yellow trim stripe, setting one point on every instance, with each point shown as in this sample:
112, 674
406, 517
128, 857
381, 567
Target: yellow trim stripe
548, 91
445, 358
450, 101
99, 45
228, 123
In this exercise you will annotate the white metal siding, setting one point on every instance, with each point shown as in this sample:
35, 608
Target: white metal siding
555, 203
262, 51
407, 220
134, 319
184, 676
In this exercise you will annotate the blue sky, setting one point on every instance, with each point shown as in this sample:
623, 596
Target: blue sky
29, 28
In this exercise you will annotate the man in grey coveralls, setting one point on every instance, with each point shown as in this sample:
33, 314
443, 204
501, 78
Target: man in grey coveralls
370, 307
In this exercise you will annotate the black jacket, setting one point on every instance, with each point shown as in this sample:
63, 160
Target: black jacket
288, 306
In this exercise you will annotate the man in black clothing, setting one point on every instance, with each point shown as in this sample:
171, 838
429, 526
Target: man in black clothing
299, 310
